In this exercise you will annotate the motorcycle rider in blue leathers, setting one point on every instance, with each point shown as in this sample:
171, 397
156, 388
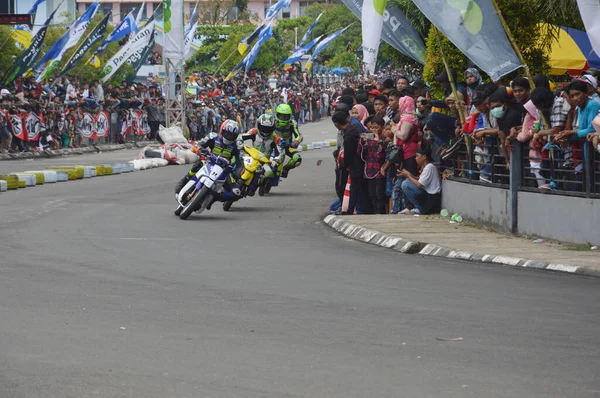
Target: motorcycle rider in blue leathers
226, 145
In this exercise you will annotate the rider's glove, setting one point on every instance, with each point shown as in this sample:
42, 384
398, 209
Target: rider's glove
295, 144
274, 164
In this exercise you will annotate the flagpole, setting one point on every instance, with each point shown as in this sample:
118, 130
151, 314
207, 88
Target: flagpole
519, 54
461, 113
226, 59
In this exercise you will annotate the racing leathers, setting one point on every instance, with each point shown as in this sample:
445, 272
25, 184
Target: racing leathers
293, 139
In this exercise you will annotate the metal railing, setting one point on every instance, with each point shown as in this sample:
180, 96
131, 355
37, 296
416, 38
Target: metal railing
480, 164
569, 172
574, 171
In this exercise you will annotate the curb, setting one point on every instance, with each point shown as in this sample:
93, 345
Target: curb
406, 246
54, 153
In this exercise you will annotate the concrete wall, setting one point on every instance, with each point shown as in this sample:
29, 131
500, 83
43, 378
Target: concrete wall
478, 203
563, 218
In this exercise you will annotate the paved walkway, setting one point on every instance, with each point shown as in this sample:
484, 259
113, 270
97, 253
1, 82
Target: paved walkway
436, 236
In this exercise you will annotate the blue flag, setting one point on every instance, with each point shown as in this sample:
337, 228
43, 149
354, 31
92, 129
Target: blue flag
308, 32
299, 53
69, 36
321, 46
265, 35
125, 27
270, 16
35, 5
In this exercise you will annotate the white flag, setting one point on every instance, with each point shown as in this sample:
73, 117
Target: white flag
590, 14
173, 30
139, 41
372, 24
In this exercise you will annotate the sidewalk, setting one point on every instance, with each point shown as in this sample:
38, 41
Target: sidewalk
435, 236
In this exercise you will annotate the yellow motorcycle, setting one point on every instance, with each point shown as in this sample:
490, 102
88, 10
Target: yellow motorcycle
253, 161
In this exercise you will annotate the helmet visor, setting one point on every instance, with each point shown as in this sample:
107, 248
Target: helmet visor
284, 117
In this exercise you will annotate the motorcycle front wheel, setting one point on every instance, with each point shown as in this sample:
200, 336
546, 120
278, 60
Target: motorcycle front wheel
227, 205
196, 203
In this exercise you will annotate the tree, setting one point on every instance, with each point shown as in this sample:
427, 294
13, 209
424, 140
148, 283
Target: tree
219, 12
9, 50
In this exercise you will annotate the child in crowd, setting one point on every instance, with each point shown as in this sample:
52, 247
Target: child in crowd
374, 155
389, 168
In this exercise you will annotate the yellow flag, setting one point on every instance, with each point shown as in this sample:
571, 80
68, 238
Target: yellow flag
242, 47
230, 76
22, 37
95, 62
308, 65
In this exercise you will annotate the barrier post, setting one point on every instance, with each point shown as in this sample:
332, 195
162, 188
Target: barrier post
588, 169
516, 176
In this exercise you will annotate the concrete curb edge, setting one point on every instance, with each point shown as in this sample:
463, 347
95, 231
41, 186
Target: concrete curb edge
406, 246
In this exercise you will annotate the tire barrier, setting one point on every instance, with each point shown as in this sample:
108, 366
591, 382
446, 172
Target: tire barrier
40, 179
99, 170
28, 179
116, 168
12, 182
71, 173
3, 186
49, 175
22, 184
62, 176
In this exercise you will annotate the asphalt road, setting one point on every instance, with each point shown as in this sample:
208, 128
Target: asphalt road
104, 293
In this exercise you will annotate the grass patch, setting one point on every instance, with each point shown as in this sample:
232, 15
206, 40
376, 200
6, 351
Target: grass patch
577, 247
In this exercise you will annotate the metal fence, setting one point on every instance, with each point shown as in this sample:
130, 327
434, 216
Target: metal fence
574, 171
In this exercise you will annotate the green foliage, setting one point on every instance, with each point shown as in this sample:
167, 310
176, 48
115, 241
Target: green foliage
220, 42
434, 63
217, 12
9, 50
344, 59
213, 39
335, 18
557, 12
271, 54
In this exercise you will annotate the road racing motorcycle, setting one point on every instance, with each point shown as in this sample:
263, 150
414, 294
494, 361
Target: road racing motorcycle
254, 163
199, 192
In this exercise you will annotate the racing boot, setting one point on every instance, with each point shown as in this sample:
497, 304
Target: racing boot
286, 169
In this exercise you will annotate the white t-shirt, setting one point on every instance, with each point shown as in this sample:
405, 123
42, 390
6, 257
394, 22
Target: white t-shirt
430, 179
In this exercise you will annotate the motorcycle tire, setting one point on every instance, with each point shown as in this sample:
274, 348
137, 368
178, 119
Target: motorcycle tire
268, 185
196, 203
227, 205
261, 190
178, 210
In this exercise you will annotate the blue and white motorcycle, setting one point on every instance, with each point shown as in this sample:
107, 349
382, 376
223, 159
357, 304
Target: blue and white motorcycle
208, 182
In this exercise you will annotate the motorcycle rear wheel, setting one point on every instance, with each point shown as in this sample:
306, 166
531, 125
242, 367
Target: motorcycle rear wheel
196, 203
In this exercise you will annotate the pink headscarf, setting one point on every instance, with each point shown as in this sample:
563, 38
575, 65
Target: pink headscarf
407, 111
363, 113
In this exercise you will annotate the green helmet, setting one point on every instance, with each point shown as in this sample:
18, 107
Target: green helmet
283, 115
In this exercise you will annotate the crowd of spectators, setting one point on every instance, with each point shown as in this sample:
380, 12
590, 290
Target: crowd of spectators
61, 105
396, 142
